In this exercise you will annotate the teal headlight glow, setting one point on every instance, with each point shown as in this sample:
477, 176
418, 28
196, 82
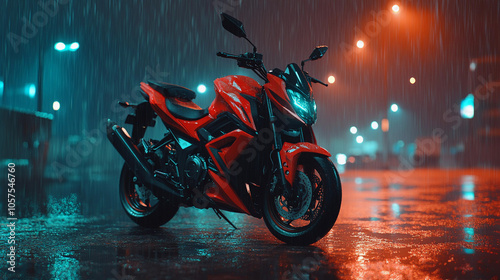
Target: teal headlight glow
304, 108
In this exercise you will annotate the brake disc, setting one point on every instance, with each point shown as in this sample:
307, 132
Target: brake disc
317, 201
302, 187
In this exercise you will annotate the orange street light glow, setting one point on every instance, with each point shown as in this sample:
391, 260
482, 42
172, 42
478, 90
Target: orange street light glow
360, 44
395, 9
412, 80
331, 79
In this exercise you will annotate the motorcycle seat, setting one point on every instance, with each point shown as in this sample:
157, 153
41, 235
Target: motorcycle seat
186, 110
170, 90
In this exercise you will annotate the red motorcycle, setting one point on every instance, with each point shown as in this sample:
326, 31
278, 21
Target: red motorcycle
252, 151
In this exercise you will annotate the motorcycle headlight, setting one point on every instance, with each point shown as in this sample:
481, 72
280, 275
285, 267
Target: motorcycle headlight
305, 109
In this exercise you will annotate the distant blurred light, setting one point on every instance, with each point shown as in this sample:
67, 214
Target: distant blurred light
201, 88
468, 190
341, 159
360, 44
353, 130
1, 88
467, 112
469, 234
56, 106
331, 79
74, 46
472, 66
351, 159
374, 125
385, 125
60, 46
394, 107
467, 107
395, 8
30, 90
412, 80
396, 209
359, 139
469, 251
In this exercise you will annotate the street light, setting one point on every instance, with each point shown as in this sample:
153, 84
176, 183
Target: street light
74, 46
395, 8
473, 66
56, 105
30, 90
60, 47
201, 88
374, 125
353, 130
412, 80
359, 139
360, 44
467, 107
394, 107
331, 79
341, 159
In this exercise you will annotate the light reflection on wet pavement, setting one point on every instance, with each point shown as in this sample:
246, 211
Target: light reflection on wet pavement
420, 224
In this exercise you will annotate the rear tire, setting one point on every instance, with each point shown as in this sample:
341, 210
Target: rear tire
321, 213
142, 206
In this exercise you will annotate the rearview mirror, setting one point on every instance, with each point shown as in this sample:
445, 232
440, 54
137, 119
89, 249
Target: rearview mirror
318, 52
233, 25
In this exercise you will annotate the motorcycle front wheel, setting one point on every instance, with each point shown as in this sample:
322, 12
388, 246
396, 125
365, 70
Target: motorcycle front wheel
310, 211
141, 205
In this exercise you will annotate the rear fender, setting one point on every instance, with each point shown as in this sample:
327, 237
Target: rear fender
290, 154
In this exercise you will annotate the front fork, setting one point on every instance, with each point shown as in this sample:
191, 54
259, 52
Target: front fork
282, 183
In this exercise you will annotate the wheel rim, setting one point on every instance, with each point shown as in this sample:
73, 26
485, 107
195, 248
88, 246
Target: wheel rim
136, 198
314, 208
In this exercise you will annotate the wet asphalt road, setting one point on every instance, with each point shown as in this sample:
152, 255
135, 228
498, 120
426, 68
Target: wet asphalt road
419, 224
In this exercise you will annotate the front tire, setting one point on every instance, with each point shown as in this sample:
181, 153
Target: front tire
141, 205
318, 195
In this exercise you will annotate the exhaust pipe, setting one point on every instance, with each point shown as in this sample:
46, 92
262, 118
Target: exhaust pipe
134, 159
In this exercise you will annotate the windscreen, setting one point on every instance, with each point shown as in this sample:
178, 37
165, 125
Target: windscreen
295, 79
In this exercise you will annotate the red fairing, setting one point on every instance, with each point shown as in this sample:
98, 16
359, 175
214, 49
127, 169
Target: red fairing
228, 97
227, 148
188, 127
290, 154
230, 146
277, 94
225, 194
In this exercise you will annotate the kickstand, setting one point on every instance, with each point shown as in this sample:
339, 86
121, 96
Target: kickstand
221, 215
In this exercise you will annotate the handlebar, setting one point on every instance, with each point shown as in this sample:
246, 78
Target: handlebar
314, 80
228, 55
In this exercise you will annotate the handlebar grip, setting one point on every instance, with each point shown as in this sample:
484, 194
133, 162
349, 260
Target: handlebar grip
314, 80
222, 54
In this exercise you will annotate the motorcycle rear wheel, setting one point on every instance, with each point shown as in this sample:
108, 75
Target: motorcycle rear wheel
141, 205
322, 193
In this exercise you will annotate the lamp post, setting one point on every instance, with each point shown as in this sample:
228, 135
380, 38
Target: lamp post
61, 47
395, 9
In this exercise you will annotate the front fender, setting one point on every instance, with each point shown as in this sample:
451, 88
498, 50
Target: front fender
290, 154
